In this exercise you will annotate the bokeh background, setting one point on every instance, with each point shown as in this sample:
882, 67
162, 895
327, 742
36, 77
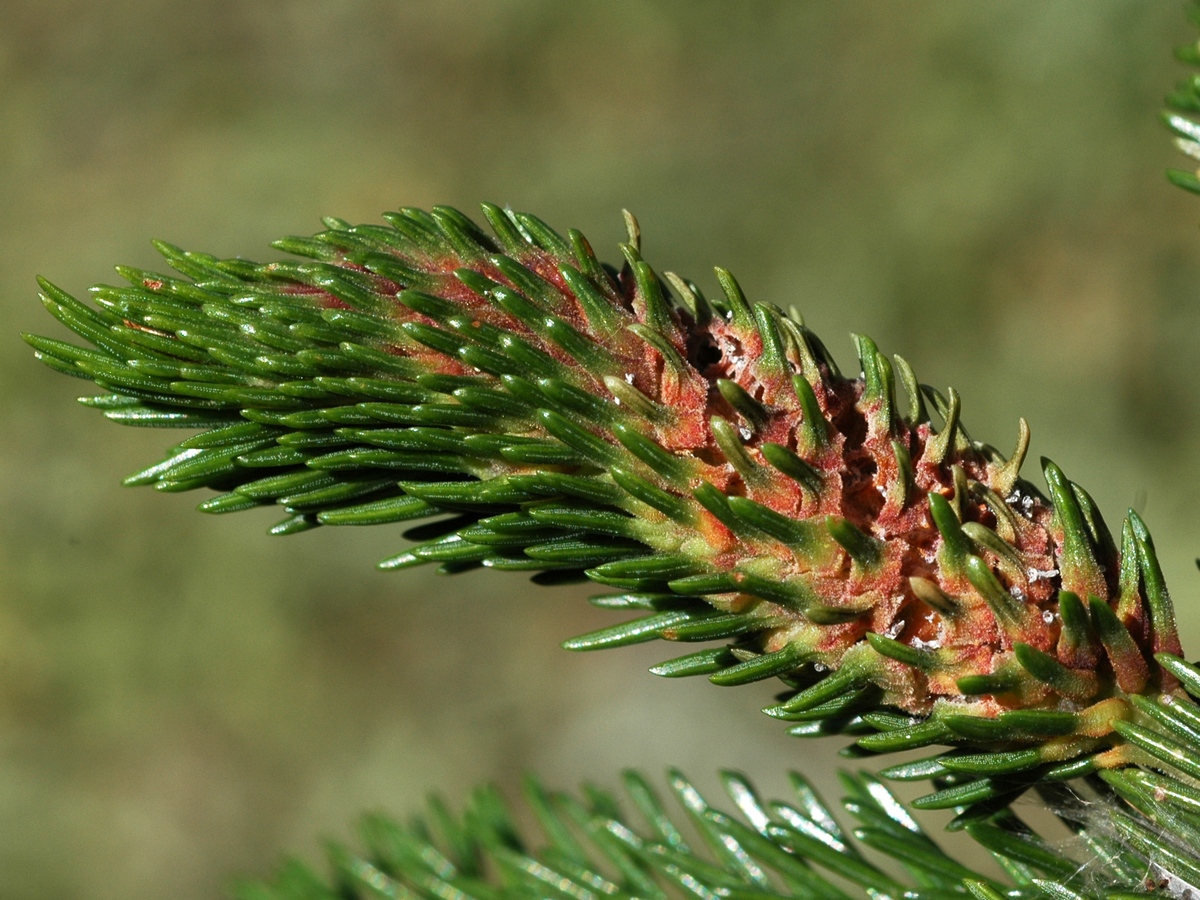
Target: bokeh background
182, 698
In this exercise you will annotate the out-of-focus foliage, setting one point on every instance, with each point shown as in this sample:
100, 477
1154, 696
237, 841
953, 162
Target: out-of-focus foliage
978, 188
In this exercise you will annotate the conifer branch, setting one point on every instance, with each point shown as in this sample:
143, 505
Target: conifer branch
537, 410
543, 412
1184, 101
588, 849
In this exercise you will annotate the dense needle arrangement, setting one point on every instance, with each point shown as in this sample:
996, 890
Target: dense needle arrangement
535, 409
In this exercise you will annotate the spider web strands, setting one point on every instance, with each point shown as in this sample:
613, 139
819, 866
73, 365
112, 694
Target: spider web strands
1133, 833
1138, 820
586, 848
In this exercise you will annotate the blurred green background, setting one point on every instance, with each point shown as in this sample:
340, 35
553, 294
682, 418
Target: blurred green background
182, 698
